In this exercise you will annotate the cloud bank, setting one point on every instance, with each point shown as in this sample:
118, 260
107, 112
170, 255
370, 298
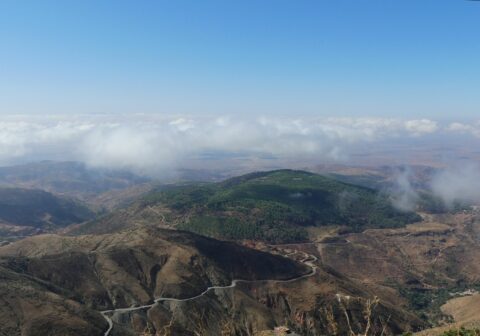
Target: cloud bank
148, 143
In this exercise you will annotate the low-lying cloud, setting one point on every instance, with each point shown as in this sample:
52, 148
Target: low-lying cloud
149, 143
460, 183
455, 184
403, 194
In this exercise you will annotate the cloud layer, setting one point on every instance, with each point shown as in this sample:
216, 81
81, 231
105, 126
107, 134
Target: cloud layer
148, 143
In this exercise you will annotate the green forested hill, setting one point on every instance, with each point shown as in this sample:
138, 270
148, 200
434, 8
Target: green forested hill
277, 206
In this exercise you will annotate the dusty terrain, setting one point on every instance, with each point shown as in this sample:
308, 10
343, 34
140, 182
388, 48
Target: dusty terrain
422, 265
133, 267
412, 268
465, 312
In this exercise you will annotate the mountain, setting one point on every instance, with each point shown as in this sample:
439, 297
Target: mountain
24, 211
274, 206
148, 262
59, 285
141, 268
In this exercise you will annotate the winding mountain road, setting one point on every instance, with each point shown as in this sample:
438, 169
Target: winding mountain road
309, 260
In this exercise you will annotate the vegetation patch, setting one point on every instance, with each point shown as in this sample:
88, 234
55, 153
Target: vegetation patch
426, 303
277, 206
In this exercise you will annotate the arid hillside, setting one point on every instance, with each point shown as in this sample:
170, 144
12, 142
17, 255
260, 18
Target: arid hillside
137, 266
425, 263
361, 266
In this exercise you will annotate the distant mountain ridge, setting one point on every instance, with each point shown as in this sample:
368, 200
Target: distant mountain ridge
37, 210
69, 178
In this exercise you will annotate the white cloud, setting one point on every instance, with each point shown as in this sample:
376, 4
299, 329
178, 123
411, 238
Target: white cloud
123, 147
461, 183
404, 196
148, 142
421, 126
472, 129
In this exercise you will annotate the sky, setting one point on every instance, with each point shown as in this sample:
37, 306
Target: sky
150, 85
411, 59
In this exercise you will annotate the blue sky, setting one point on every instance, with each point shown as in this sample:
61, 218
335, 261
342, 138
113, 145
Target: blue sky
383, 58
